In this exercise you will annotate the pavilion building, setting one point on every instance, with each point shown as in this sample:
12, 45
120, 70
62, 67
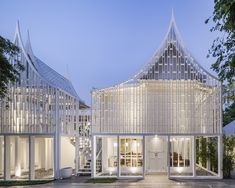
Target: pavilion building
164, 119
38, 122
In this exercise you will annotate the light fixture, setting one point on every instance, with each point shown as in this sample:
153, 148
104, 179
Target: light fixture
115, 144
126, 144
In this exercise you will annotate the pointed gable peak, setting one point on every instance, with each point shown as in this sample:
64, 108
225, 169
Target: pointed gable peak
173, 32
28, 46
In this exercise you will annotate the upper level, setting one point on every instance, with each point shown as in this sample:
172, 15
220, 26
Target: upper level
173, 93
42, 98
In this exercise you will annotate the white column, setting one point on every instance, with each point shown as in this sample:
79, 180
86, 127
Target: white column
57, 140
7, 155
194, 156
143, 152
17, 156
118, 157
77, 154
32, 157
220, 156
93, 152
1, 154
168, 156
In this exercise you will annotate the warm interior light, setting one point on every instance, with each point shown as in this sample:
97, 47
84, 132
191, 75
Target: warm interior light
126, 144
179, 170
18, 170
133, 170
115, 144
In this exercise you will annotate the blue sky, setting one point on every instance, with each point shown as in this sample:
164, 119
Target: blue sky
105, 42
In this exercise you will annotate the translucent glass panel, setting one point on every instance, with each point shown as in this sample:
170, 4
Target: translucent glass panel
206, 156
181, 156
106, 156
131, 156
17, 157
157, 106
43, 157
1, 157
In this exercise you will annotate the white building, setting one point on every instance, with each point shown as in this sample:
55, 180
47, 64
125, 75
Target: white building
164, 119
38, 125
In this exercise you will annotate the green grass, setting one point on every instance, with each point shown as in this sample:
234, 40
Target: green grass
23, 182
101, 180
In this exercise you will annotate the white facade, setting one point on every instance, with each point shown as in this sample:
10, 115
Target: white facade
39, 122
163, 119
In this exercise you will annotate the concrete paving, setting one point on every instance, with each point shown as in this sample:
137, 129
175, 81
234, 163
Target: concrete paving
149, 182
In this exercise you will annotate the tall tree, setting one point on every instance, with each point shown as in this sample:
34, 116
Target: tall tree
8, 72
223, 47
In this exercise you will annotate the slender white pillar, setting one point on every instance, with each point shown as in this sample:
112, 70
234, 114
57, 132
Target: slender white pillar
143, 152
194, 156
168, 156
1, 155
220, 156
118, 157
7, 154
17, 156
57, 139
93, 155
77, 154
32, 157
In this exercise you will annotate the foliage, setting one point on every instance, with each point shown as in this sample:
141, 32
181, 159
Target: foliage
223, 47
101, 180
23, 182
229, 158
206, 150
229, 114
8, 72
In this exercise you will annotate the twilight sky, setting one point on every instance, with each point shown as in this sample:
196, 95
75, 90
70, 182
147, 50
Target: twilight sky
105, 42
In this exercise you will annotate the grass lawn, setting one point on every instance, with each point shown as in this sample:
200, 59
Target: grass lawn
101, 180
23, 182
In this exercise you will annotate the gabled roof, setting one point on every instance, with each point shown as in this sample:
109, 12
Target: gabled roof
229, 129
44, 71
173, 42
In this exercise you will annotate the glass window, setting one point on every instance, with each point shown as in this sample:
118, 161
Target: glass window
181, 156
43, 157
106, 156
206, 156
131, 156
17, 157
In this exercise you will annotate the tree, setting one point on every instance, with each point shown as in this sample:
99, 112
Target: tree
223, 47
229, 114
229, 158
8, 72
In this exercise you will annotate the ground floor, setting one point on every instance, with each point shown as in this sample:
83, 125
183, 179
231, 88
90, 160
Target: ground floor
180, 156
35, 156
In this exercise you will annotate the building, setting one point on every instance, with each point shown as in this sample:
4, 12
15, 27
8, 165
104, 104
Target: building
38, 126
164, 119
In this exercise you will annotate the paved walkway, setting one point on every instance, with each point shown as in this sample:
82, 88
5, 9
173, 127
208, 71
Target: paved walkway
149, 182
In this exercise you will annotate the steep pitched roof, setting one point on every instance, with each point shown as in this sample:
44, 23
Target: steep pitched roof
172, 61
43, 70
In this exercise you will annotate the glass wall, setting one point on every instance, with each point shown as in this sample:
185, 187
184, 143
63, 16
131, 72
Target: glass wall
181, 156
131, 156
17, 157
206, 156
43, 157
106, 156
1, 157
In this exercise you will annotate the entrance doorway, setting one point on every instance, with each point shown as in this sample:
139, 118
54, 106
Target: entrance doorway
156, 154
